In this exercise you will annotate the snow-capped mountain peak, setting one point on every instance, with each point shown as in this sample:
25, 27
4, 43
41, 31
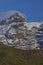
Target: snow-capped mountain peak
15, 31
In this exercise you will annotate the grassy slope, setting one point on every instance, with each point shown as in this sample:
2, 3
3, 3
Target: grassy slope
11, 56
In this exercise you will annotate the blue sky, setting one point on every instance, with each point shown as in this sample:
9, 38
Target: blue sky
33, 9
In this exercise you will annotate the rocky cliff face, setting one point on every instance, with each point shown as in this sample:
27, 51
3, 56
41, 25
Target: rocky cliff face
15, 31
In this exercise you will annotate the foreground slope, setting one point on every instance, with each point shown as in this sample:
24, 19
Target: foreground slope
12, 56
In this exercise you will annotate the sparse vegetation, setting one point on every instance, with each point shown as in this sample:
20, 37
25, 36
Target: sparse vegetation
12, 56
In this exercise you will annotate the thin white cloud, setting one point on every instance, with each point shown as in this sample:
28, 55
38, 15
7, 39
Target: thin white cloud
8, 14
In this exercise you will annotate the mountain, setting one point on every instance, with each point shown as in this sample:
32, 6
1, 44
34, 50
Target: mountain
39, 36
17, 32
